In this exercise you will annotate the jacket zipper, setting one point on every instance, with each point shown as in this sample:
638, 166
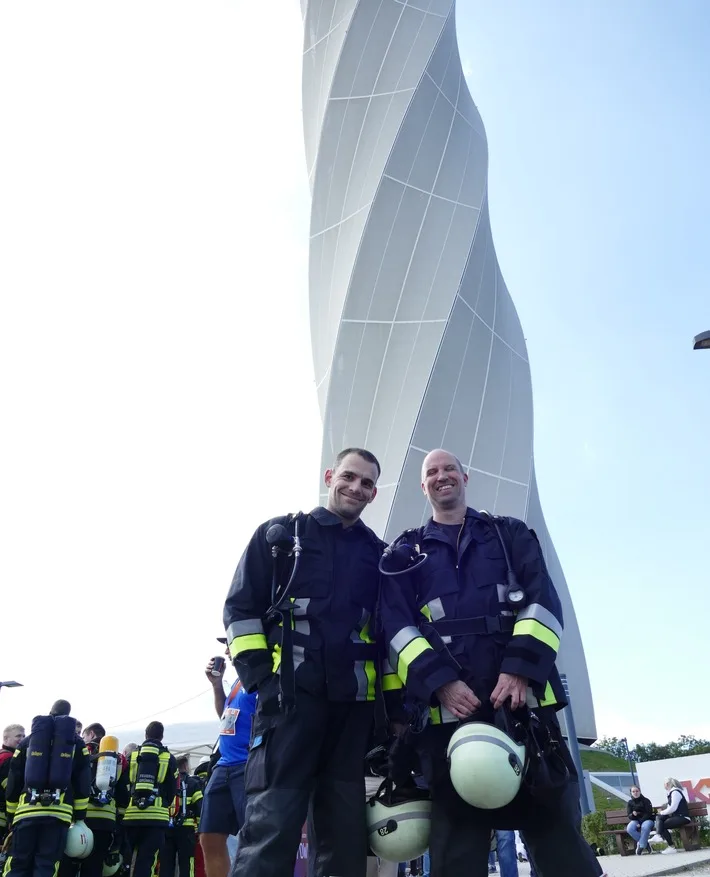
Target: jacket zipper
458, 542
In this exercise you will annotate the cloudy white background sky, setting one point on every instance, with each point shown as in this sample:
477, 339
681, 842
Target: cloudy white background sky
157, 392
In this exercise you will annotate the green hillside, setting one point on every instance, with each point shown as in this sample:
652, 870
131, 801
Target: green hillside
594, 760
604, 801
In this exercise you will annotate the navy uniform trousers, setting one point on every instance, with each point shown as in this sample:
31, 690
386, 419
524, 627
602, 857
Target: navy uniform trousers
180, 841
37, 847
147, 842
313, 755
460, 834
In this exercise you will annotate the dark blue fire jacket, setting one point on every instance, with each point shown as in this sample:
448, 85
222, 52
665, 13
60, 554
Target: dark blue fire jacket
334, 598
449, 618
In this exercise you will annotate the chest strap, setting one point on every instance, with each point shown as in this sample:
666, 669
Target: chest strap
485, 624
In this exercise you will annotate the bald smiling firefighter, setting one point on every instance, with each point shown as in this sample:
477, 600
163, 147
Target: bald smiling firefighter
473, 632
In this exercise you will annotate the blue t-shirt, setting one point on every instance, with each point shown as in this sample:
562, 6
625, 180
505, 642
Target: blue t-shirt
235, 726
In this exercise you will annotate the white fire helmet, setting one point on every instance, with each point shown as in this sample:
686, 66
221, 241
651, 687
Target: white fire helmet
486, 765
112, 864
80, 841
398, 832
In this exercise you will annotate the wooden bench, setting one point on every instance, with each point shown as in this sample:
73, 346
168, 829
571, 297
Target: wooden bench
689, 834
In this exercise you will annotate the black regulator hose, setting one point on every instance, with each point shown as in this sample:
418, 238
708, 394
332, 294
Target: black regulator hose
282, 542
401, 556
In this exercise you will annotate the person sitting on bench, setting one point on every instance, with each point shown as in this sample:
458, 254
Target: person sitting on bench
675, 815
640, 813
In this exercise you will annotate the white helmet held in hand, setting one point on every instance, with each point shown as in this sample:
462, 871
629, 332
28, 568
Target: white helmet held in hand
112, 863
398, 829
80, 841
486, 765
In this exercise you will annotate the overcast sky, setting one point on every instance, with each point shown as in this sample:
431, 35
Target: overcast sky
158, 399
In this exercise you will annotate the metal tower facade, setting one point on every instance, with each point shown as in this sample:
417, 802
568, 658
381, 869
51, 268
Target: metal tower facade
416, 340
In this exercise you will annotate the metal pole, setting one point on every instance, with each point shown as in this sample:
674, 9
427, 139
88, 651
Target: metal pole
573, 744
631, 764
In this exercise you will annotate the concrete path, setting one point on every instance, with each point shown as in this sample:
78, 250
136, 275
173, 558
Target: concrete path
649, 866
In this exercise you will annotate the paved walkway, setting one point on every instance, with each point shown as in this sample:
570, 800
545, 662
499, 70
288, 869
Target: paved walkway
647, 866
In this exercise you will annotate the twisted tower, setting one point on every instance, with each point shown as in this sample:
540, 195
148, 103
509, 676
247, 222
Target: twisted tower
416, 341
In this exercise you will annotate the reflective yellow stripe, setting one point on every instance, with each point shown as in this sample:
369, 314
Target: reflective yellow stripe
276, 659
530, 627
246, 643
548, 698
426, 612
81, 803
98, 813
410, 653
391, 682
371, 674
365, 633
435, 715
150, 814
29, 811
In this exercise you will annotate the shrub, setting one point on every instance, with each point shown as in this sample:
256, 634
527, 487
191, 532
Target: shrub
593, 828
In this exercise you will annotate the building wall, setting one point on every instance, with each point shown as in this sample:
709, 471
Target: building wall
693, 771
416, 340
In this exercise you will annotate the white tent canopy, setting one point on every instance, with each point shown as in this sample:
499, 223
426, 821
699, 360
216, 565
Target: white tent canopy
194, 738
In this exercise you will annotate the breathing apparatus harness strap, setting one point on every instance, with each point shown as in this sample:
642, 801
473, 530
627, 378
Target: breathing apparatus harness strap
485, 624
283, 608
515, 595
380, 719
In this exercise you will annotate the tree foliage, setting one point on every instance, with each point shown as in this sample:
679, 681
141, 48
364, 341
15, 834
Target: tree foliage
686, 744
613, 745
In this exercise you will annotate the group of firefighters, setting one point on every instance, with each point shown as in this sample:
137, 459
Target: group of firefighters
437, 652
73, 804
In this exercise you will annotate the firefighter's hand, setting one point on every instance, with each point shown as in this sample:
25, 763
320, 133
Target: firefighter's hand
510, 686
215, 680
458, 698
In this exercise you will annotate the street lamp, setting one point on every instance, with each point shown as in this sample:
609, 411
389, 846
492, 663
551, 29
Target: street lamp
702, 341
574, 748
628, 758
10, 684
